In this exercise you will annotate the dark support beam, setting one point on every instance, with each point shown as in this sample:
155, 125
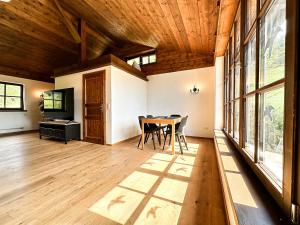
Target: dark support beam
9, 71
68, 23
83, 44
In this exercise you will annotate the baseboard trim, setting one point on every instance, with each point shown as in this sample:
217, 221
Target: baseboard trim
200, 137
120, 142
18, 133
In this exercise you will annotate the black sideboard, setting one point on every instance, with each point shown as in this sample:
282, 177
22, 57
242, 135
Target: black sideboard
60, 130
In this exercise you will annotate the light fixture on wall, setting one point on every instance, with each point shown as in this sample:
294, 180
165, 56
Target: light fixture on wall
194, 90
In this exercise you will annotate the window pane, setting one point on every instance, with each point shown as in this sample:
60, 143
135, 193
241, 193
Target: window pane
48, 95
1, 102
13, 90
1, 89
271, 131
250, 65
225, 117
57, 96
232, 83
231, 119
251, 13
231, 50
272, 44
13, 103
145, 60
48, 104
137, 60
237, 80
57, 104
152, 58
250, 125
130, 62
236, 119
237, 35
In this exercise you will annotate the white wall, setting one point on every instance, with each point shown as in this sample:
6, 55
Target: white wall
129, 100
219, 108
169, 93
126, 99
75, 81
23, 121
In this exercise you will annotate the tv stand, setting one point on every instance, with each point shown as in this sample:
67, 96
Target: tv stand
60, 130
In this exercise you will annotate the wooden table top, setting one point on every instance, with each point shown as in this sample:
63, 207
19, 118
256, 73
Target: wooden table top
162, 120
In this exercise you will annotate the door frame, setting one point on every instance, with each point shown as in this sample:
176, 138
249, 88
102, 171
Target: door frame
101, 73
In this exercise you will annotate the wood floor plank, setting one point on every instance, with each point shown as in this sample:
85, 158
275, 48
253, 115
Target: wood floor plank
48, 182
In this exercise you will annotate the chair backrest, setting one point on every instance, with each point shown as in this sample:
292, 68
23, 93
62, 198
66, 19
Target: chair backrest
182, 124
175, 115
150, 116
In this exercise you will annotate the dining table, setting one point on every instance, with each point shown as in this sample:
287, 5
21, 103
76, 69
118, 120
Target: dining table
162, 120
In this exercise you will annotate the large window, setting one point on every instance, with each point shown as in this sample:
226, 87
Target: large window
257, 105
271, 80
11, 96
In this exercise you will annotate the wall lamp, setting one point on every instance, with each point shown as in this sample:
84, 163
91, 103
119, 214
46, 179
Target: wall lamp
194, 90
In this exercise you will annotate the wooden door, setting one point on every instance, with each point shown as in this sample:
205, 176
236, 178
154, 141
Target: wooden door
94, 107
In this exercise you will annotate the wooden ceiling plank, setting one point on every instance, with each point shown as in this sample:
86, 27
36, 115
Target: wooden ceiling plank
168, 15
40, 15
83, 43
68, 23
29, 28
179, 22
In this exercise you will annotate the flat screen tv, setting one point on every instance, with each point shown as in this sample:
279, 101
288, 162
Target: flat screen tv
59, 104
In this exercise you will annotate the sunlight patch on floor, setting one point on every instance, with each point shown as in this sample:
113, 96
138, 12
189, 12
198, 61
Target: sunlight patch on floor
162, 156
181, 170
156, 165
159, 212
184, 159
192, 148
139, 181
173, 190
118, 204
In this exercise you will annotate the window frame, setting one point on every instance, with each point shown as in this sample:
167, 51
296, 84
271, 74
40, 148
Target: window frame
281, 194
4, 109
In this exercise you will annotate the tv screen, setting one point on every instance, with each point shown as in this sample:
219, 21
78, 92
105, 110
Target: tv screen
59, 104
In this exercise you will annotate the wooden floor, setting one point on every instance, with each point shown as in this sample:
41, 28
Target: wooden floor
48, 182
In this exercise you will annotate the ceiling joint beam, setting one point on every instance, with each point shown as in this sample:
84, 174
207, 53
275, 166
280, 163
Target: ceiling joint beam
68, 23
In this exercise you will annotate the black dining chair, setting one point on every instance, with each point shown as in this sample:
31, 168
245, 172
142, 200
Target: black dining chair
148, 129
155, 126
179, 133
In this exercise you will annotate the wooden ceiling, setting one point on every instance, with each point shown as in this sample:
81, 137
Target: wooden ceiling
35, 39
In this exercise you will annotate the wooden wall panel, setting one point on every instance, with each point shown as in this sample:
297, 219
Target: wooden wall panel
171, 61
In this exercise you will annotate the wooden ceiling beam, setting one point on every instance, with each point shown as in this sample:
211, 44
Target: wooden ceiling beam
83, 43
227, 11
68, 23
4, 70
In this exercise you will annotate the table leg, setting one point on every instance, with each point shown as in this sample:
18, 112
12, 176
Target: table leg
143, 135
159, 137
173, 138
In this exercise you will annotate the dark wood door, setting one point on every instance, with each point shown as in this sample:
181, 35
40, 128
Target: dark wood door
94, 107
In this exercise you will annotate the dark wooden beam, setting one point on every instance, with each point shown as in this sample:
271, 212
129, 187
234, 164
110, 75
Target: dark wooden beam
4, 70
83, 44
68, 23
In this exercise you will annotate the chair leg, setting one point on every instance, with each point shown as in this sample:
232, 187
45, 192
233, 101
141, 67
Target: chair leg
184, 139
170, 139
164, 142
139, 142
146, 138
153, 140
158, 136
179, 144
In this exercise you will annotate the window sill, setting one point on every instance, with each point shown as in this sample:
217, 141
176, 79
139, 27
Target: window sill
13, 110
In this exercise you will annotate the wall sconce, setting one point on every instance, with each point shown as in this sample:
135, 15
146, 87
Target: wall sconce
194, 90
